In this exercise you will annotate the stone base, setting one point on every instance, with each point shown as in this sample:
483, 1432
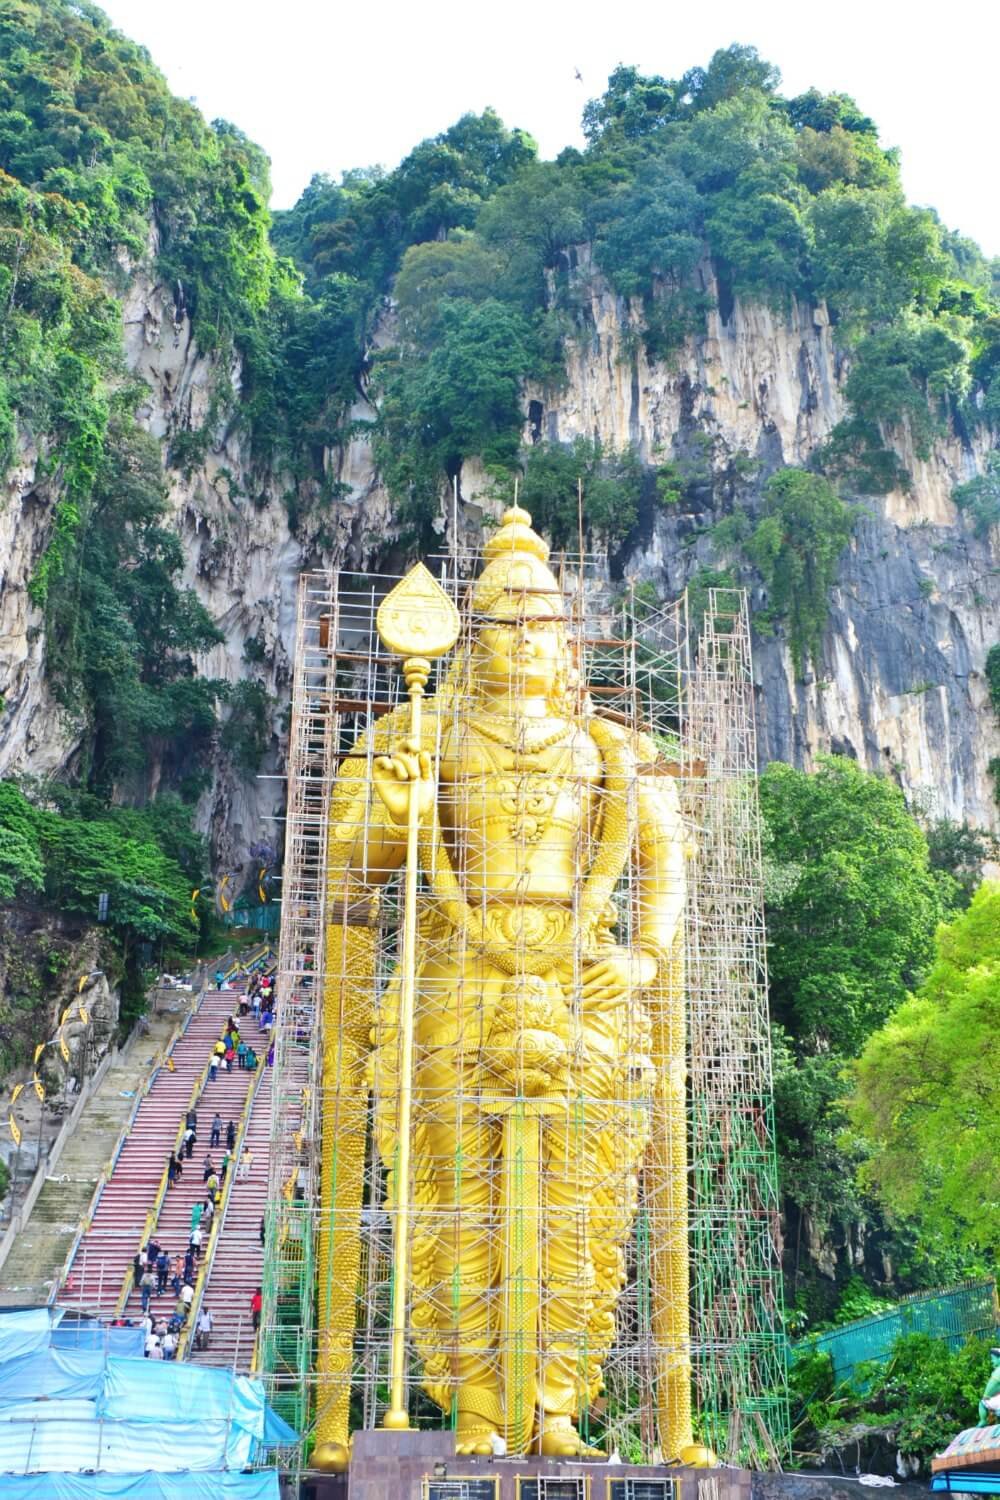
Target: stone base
393, 1465
397, 1466
400, 1470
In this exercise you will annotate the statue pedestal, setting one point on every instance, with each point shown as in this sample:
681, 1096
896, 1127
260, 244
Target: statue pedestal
402, 1465
393, 1465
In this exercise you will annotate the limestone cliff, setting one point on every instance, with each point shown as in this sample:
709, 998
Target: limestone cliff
916, 608
917, 605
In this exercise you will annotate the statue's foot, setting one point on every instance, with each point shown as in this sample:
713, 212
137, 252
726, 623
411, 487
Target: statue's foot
560, 1439
474, 1436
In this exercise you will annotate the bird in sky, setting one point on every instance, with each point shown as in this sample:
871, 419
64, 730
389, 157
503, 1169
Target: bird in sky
578, 75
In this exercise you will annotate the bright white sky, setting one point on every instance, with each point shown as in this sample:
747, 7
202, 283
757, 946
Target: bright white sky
324, 85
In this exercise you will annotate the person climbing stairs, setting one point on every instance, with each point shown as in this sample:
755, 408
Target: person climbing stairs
126, 1210
236, 1268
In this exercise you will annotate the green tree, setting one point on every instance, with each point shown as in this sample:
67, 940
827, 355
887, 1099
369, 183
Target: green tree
855, 930
852, 906
993, 677
633, 106
797, 546
435, 274
652, 231
530, 223
125, 634
979, 499
927, 1093
552, 477
22, 869
246, 733
462, 400
960, 851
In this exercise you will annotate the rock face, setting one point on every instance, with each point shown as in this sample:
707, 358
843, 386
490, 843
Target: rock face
917, 604
44, 961
915, 610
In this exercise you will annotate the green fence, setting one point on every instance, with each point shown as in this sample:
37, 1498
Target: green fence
964, 1312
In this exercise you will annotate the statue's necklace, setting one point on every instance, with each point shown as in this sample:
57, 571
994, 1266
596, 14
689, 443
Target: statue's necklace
517, 743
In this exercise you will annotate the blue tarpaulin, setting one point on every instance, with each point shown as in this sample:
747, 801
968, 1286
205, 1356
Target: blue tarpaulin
76, 1334
277, 1433
27, 1331
52, 1375
182, 1485
166, 1392
69, 1436
80, 1422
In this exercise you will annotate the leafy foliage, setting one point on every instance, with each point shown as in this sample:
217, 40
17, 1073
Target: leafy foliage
124, 635
797, 546
960, 851
993, 677
246, 733
463, 400
71, 858
925, 1393
856, 930
552, 477
851, 911
979, 498
926, 1094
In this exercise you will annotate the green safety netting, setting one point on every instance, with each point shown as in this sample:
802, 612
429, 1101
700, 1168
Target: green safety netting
956, 1315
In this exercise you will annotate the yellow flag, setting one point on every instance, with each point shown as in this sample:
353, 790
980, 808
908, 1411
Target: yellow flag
40, 1049
17, 1089
15, 1130
84, 1017
83, 981
63, 1047
39, 1087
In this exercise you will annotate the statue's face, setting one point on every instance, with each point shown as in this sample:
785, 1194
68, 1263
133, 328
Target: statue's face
523, 657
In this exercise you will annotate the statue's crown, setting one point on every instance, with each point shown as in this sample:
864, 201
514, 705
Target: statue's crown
516, 579
515, 534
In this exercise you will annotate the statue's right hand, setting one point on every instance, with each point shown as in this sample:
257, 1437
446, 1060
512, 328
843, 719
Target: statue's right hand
398, 777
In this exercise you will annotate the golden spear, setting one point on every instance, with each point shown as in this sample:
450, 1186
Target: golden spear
417, 621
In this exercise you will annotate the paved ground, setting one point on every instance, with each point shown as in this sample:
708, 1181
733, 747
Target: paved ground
42, 1245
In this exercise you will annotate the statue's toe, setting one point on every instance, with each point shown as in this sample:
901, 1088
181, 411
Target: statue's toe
475, 1440
565, 1442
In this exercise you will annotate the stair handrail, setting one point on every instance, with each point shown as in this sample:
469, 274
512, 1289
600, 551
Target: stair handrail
153, 1216
163, 1058
204, 1270
264, 958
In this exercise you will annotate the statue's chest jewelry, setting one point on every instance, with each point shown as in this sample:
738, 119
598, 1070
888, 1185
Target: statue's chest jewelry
524, 801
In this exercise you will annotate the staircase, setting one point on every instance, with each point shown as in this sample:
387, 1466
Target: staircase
104, 1255
236, 1268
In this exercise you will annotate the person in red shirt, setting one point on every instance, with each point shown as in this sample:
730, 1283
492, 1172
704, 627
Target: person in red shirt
256, 1303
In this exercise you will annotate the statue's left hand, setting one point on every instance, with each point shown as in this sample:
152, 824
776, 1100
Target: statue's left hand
408, 773
610, 981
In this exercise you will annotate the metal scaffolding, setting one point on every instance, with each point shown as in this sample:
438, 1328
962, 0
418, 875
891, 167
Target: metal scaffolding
687, 686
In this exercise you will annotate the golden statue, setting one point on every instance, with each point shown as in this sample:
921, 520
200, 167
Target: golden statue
534, 1067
